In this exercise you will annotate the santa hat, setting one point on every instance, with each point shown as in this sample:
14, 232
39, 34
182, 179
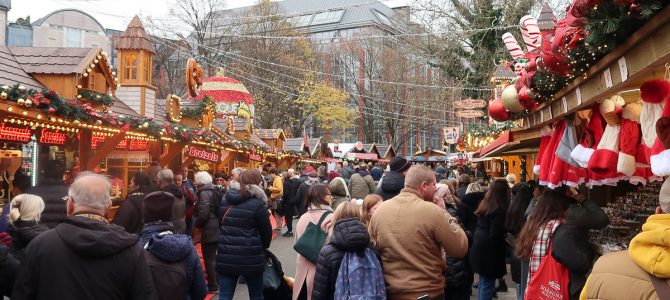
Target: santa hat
591, 137
630, 139
604, 160
654, 94
544, 142
567, 144
660, 152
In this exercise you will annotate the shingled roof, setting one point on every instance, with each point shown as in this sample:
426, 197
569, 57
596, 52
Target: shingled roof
13, 73
547, 19
53, 60
295, 144
268, 134
502, 71
135, 37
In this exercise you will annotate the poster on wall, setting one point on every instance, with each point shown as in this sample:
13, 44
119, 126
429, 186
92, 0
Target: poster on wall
451, 135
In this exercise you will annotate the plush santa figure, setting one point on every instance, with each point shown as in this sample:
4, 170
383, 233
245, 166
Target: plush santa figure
590, 138
544, 142
629, 139
604, 160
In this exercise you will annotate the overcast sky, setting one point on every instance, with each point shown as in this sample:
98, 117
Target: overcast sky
114, 14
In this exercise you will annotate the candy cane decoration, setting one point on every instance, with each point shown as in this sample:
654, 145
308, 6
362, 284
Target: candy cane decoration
512, 45
531, 33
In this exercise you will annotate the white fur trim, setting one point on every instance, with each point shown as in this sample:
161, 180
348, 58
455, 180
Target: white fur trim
660, 163
626, 164
536, 169
581, 155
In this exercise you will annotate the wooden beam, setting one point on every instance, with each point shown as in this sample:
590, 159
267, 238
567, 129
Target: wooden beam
174, 150
85, 151
104, 149
188, 161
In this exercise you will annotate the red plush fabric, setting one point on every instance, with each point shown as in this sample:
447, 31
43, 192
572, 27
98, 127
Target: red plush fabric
655, 91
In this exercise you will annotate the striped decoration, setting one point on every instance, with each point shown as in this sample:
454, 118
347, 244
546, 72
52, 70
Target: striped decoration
531, 33
512, 45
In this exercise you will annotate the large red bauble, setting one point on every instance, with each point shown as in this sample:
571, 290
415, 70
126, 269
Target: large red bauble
525, 98
497, 111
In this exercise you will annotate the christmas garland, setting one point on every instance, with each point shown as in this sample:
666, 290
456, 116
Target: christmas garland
198, 111
95, 97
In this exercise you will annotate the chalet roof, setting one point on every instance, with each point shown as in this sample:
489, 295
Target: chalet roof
313, 145
547, 19
53, 60
13, 73
368, 147
241, 124
121, 108
384, 149
294, 144
502, 71
256, 140
135, 37
268, 134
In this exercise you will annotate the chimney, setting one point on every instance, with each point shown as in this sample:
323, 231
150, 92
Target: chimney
5, 6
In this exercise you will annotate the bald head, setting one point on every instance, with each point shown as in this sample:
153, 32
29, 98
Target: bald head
90, 191
421, 179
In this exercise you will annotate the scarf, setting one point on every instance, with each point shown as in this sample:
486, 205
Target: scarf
541, 246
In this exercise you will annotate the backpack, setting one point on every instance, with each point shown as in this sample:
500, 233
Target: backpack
360, 277
170, 279
215, 202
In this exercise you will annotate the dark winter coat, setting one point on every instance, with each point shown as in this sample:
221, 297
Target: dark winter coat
299, 199
81, 250
338, 188
349, 235
169, 256
129, 215
466, 211
178, 209
290, 189
376, 173
204, 216
584, 218
567, 252
52, 192
245, 232
459, 273
9, 266
346, 172
22, 233
461, 192
391, 185
487, 254
361, 185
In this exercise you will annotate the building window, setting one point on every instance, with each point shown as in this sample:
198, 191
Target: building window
74, 37
130, 66
147, 69
327, 17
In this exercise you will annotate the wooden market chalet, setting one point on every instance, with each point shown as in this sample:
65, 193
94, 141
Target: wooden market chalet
68, 104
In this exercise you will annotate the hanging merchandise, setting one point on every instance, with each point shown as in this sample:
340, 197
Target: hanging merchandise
658, 92
654, 94
629, 144
548, 158
546, 132
603, 162
590, 138
567, 144
562, 173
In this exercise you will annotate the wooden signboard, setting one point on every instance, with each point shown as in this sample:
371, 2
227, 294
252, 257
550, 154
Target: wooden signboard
469, 104
470, 113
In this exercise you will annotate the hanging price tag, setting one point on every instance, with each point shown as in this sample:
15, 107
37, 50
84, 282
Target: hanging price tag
578, 91
608, 78
623, 68
551, 113
541, 116
565, 104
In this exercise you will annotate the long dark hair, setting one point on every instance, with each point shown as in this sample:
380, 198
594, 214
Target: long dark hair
316, 195
515, 214
497, 197
142, 182
552, 205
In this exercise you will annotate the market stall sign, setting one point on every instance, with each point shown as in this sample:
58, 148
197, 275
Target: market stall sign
451, 134
15, 134
365, 156
469, 113
125, 144
207, 155
52, 137
469, 104
255, 157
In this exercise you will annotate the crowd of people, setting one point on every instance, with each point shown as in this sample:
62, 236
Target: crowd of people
408, 232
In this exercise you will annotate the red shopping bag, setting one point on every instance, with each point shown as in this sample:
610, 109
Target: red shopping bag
550, 282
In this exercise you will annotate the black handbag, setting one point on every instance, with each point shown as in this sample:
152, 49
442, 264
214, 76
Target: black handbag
310, 243
271, 280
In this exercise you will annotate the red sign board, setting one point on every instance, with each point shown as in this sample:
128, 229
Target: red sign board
15, 134
255, 157
199, 153
52, 137
469, 104
125, 144
470, 113
365, 156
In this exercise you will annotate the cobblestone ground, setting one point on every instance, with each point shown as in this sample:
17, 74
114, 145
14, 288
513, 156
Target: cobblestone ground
282, 247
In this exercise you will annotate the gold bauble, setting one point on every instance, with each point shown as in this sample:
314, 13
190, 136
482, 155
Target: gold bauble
20, 101
3, 95
27, 103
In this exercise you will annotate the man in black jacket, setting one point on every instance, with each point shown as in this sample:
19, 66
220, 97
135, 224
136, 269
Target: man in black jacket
84, 257
8, 268
394, 180
206, 219
291, 184
165, 183
52, 189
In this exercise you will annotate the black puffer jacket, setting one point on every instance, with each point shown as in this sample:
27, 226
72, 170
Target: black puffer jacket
349, 235
487, 254
459, 274
9, 266
22, 233
204, 217
52, 192
129, 215
466, 211
245, 232
391, 185
179, 208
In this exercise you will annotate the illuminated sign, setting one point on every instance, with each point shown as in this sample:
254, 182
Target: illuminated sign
256, 157
15, 134
125, 144
52, 137
469, 104
365, 156
199, 153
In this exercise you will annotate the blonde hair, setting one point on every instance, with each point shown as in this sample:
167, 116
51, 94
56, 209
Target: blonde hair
346, 210
25, 207
369, 201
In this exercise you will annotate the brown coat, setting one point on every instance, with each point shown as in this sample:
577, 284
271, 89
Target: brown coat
616, 276
305, 269
410, 234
